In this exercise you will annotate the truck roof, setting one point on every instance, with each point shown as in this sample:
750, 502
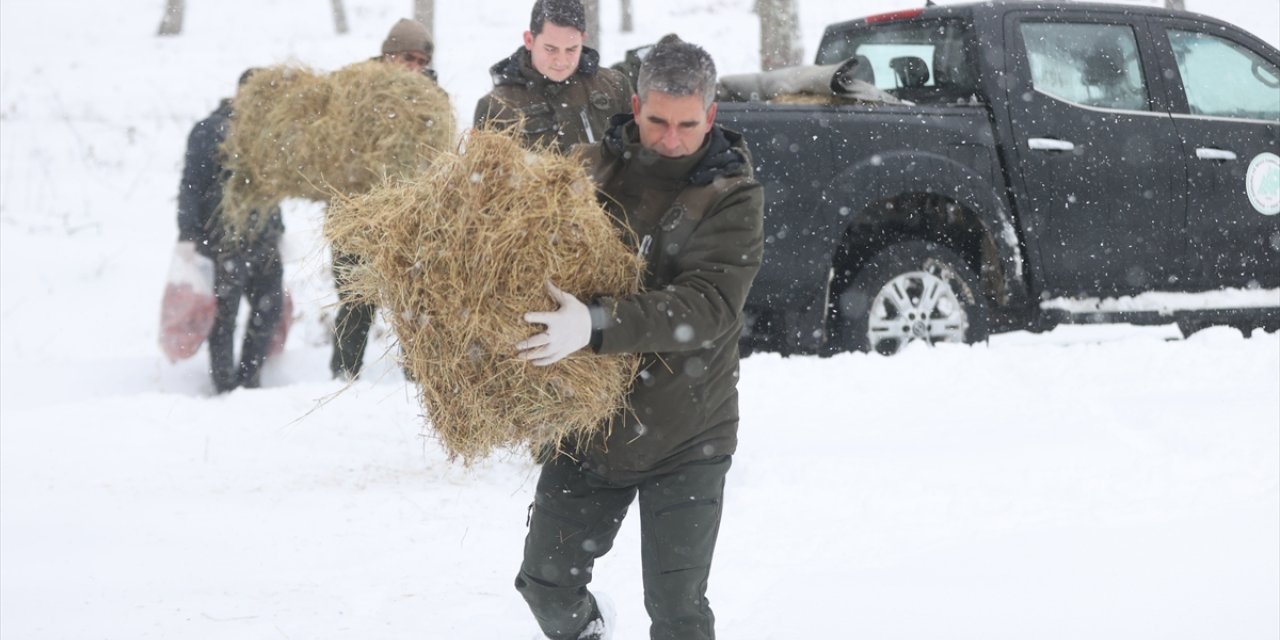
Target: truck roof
999, 7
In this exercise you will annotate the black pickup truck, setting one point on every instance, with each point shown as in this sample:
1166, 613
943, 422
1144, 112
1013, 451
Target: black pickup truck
1040, 163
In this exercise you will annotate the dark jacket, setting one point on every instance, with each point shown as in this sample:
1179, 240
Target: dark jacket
200, 193
698, 222
559, 114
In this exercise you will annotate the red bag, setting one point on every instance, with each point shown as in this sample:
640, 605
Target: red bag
282, 327
188, 308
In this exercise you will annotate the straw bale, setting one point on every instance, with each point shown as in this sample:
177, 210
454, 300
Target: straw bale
297, 133
817, 99
455, 256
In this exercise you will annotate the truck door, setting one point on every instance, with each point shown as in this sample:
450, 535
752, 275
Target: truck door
791, 152
1096, 154
1225, 93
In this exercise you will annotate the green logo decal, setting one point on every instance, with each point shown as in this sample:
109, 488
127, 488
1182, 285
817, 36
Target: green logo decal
1262, 183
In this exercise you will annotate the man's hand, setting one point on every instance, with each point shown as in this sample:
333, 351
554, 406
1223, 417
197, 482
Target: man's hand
568, 329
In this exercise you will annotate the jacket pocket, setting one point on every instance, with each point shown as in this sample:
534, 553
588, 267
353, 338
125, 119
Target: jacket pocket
538, 119
671, 235
550, 530
687, 519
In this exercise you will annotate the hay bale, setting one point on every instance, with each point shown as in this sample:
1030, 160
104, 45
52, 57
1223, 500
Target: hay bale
456, 256
300, 134
819, 99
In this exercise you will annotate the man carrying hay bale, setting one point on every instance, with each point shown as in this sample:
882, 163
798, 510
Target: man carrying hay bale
684, 187
246, 266
409, 45
554, 87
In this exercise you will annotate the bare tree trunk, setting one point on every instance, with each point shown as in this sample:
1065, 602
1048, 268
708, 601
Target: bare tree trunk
628, 17
779, 34
339, 16
593, 23
171, 23
1177, 5
424, 11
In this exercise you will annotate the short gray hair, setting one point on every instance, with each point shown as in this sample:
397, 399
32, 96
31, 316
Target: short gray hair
678, 68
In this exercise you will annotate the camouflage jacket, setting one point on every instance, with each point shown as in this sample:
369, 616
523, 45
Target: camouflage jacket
555, 114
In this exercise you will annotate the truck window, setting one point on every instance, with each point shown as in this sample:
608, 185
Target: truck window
1090, 64
1224, 79
930, 61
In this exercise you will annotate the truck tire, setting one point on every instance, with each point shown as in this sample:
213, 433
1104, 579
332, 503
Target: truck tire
911, 291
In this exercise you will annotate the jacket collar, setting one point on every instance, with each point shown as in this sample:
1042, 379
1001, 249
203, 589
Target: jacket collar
225, 109
426, 71
723, 153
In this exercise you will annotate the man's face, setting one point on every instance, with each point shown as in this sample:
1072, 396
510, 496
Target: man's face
555, 51
673, 126
411, 60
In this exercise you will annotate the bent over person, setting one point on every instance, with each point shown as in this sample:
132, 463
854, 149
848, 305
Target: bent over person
247, 266
684, 188
554, 86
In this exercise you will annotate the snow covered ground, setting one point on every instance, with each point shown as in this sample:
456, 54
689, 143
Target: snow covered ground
1093, 482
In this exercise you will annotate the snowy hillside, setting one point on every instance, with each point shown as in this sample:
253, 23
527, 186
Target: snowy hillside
1093, 482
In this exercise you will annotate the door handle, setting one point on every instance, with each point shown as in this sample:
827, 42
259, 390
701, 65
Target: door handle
1050, 144
1214, 154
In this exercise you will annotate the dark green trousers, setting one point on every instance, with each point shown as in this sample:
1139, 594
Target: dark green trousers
351, 326
574, 519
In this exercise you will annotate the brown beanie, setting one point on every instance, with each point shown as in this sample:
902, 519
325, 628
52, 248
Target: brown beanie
408, 35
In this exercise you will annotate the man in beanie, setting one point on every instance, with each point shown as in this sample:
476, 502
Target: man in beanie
553, 86
409, 45
682, 190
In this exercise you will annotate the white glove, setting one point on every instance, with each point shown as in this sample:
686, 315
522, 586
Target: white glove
568, 329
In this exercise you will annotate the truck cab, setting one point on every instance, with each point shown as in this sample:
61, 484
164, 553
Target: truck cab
1064, 162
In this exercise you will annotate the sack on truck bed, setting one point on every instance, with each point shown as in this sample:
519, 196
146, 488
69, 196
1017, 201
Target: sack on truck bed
848, 81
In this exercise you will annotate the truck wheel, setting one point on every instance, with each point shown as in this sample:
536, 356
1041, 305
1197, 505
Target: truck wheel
913, 291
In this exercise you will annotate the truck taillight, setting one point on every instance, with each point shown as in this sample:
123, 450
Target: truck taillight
894, 15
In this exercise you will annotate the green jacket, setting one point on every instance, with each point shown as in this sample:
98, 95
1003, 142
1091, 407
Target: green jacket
698, 222
558, 114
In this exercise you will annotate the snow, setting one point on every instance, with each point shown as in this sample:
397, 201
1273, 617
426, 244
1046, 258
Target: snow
1167, 302
1101, 482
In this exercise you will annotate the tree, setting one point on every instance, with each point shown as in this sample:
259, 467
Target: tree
171, 23
424, 11
1177, 5
593, 23
174, 10
628, 19
779, 34
339, 16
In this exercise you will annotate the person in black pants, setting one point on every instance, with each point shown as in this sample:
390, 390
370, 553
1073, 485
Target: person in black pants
245, 266
673, 181
351, 326
252, 271
409, 45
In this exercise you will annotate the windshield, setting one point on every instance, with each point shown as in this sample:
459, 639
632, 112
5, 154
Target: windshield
920, 60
